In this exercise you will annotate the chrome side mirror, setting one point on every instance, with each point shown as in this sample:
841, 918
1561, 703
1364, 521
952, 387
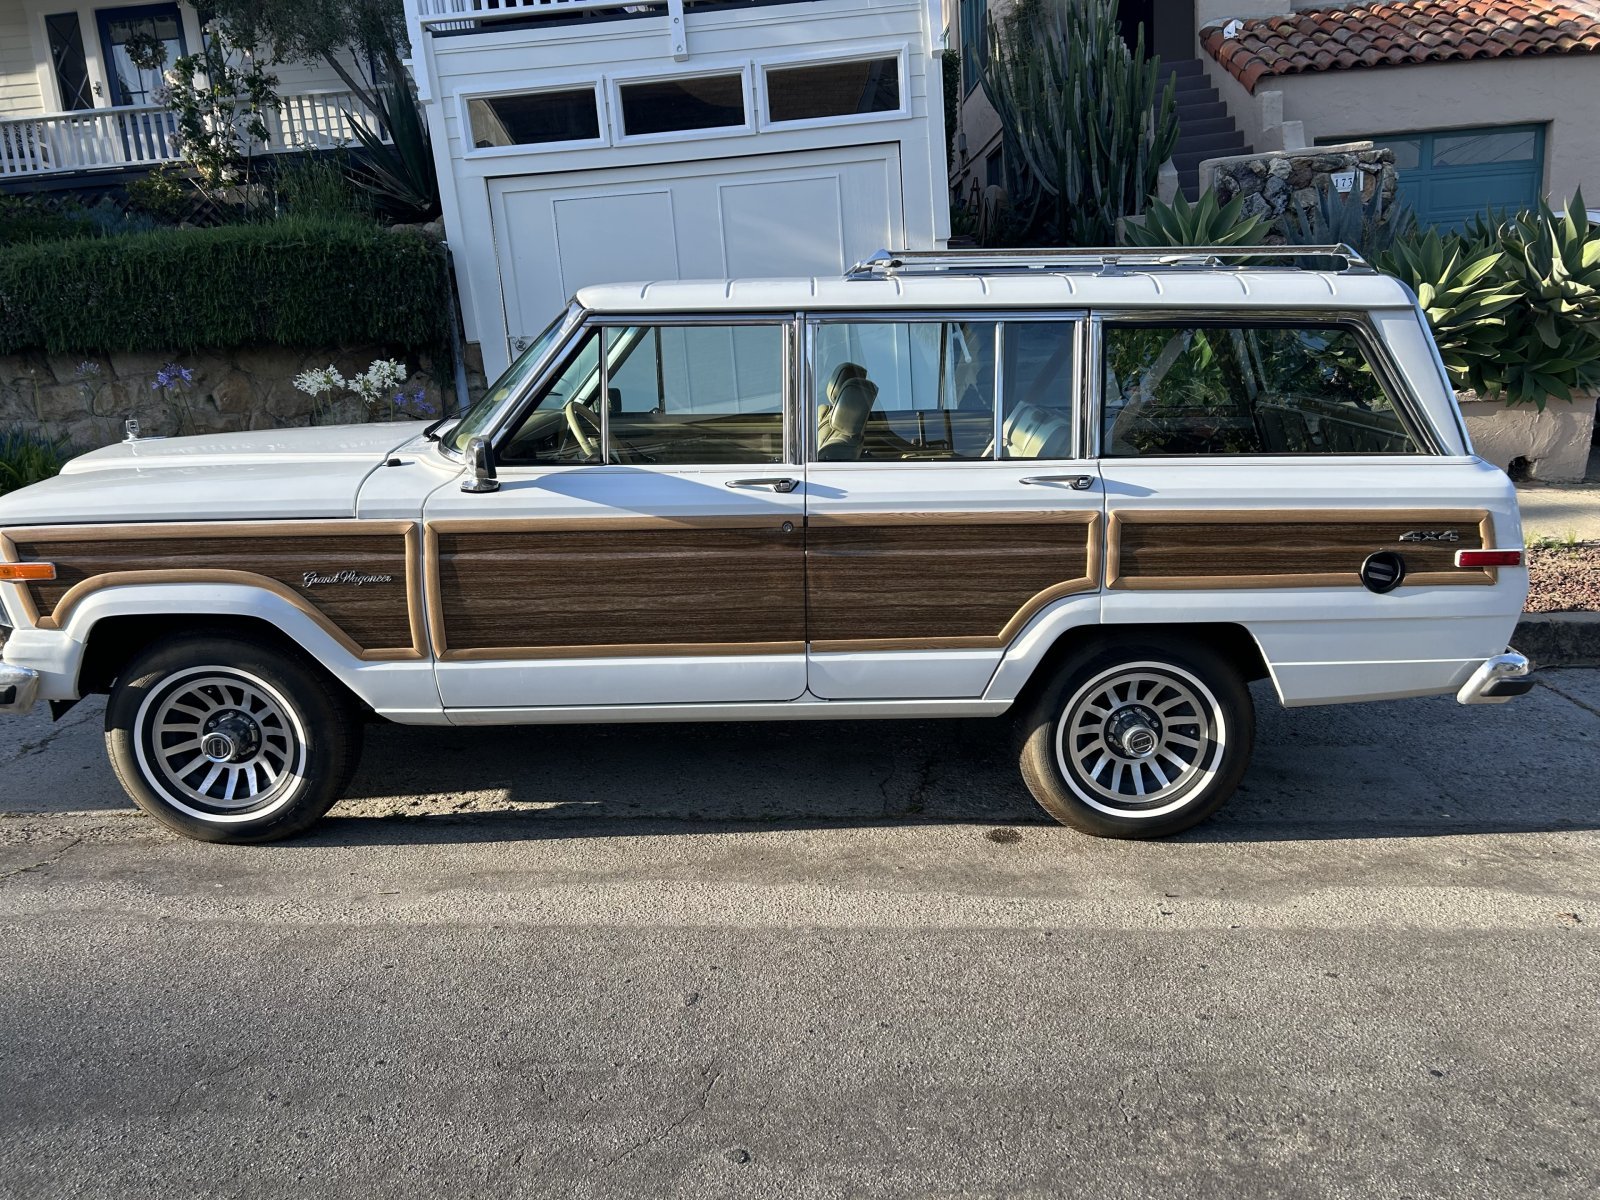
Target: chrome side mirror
480, 467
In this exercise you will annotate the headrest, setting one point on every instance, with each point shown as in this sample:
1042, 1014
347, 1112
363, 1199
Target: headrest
843, 374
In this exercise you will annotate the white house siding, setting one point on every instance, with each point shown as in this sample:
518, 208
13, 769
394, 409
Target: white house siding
19, 73
476, 184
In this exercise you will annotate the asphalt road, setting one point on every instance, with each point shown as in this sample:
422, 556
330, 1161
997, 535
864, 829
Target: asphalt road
824, 960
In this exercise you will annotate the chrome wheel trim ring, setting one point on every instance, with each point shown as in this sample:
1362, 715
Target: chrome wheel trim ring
168, 732
1191, 737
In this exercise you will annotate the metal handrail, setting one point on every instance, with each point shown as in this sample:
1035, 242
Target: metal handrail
886, 265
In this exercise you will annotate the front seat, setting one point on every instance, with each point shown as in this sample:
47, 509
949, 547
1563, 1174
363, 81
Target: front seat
841, 426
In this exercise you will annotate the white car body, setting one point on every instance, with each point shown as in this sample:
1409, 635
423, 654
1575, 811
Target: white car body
1320, 642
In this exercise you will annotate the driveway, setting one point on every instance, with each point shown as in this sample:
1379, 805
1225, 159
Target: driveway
818, 960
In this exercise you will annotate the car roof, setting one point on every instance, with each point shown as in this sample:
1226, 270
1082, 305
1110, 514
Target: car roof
1230, 288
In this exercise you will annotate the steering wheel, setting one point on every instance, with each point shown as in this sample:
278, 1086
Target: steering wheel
576, 423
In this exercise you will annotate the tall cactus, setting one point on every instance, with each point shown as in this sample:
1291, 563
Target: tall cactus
1086, 121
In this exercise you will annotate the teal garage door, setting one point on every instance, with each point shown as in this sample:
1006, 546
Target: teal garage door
1448, 176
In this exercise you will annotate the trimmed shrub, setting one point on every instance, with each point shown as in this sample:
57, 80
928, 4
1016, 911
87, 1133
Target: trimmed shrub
292, 282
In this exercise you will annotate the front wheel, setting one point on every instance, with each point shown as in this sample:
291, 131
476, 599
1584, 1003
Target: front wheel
1138, 739
227, 740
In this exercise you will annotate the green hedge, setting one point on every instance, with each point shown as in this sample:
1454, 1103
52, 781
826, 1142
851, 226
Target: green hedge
291, 282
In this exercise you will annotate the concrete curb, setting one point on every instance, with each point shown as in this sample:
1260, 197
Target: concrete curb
1560, 639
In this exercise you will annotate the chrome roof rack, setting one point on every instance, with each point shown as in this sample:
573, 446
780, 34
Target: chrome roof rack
1108, 260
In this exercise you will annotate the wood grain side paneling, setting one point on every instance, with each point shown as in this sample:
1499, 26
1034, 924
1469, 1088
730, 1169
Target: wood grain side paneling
1202, 550
380, 618
532, 589
942, 581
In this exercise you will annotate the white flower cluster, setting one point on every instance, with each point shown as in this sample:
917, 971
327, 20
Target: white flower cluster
320, 381
378, 380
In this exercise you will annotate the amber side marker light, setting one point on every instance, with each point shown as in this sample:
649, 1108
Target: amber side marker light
26, 572
1488, 558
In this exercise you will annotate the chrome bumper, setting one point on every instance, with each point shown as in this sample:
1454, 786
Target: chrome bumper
19, 688
1498, 680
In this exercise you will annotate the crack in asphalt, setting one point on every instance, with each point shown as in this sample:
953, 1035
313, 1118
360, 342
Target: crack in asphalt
698, 1106
1568, 696
49, 861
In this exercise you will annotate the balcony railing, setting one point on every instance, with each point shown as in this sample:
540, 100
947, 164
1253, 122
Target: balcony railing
96, 139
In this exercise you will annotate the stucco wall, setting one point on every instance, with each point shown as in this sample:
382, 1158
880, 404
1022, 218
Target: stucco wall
1561, 91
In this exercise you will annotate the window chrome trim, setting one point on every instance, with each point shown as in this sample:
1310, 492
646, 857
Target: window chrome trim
1408, 407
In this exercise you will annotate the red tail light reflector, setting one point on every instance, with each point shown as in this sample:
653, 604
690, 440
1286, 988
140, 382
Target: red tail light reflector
26, 572
1488, 558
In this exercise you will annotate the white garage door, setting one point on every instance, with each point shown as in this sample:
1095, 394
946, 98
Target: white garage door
812, 213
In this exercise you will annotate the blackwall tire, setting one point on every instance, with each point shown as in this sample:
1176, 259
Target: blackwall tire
228, 740
1138, 739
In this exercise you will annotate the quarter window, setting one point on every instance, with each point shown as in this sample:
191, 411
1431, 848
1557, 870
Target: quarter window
662, 395
833, 90
1244, 389
925, 391
670, 105
535, 118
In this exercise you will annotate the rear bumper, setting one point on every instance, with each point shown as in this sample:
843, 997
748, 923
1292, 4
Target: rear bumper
19, 689
1500, 679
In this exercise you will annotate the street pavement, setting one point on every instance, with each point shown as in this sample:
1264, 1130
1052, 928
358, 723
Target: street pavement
818, 961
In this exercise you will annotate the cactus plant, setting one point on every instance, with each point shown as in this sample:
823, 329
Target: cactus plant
1086, 121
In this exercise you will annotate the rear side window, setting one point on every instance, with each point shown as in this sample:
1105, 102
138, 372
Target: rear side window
927, 391
1221, 389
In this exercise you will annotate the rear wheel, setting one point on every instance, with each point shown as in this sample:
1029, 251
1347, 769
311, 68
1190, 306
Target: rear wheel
1138, 739
229, 740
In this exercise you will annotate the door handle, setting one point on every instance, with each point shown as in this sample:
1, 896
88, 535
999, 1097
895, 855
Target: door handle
777, 485
1078, 483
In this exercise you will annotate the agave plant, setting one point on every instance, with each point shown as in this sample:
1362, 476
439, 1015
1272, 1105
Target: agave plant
1086, 121
1464, 298
29, 458
1203, 223
399, 173
1369, 226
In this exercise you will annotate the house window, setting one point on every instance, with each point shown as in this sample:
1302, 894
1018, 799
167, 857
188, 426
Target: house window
1449, 176
994, 169
535, 118
673, 105
974, 43
833, 90
67, 57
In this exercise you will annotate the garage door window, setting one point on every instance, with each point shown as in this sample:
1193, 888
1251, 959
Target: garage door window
1244, 389
824, 90
676, 105
535, 118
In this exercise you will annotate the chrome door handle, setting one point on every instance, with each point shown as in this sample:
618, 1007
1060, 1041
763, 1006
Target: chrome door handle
1078, 483
777, 485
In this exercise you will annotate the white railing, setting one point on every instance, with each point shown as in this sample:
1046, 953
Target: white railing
94, 139
436, 10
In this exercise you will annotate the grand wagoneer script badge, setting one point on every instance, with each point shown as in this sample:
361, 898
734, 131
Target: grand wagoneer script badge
353, 578
1430, 535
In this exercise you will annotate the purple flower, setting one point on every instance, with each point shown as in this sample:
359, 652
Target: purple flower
171, 376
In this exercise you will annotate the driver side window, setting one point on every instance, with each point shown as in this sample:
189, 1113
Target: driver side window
672, 395
563, 426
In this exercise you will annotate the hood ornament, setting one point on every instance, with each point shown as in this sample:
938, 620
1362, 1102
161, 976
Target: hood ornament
131, 428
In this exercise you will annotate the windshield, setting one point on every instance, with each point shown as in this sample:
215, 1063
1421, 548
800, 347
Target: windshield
482, 414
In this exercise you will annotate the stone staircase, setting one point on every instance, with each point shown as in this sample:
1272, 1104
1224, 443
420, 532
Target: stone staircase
1205, 127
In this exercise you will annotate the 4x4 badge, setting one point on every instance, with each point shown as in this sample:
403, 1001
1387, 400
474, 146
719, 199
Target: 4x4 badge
1430, 535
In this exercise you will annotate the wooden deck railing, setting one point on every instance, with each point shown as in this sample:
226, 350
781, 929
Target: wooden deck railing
95, 139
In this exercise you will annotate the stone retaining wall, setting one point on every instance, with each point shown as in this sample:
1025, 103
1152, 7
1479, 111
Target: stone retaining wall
86, 399
1271, 182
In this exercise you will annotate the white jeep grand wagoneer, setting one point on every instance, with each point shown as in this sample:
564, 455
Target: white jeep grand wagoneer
1101, 491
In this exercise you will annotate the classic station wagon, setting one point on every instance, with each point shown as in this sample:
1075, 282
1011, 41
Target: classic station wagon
1102, 491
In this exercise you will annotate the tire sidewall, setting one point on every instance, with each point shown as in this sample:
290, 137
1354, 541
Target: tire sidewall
1220, 684
322, 723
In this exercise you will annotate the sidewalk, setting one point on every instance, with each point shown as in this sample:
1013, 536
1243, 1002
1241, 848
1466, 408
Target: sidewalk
1562, 510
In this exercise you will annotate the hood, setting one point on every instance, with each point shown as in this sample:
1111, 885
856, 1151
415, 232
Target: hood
285, 474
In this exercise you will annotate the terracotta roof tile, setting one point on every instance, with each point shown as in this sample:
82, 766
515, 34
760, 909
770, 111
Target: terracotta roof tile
1408, 31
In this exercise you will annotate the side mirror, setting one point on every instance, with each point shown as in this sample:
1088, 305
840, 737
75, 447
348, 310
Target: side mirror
480, 467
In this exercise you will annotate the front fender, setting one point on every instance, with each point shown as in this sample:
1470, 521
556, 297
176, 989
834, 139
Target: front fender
404, 689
